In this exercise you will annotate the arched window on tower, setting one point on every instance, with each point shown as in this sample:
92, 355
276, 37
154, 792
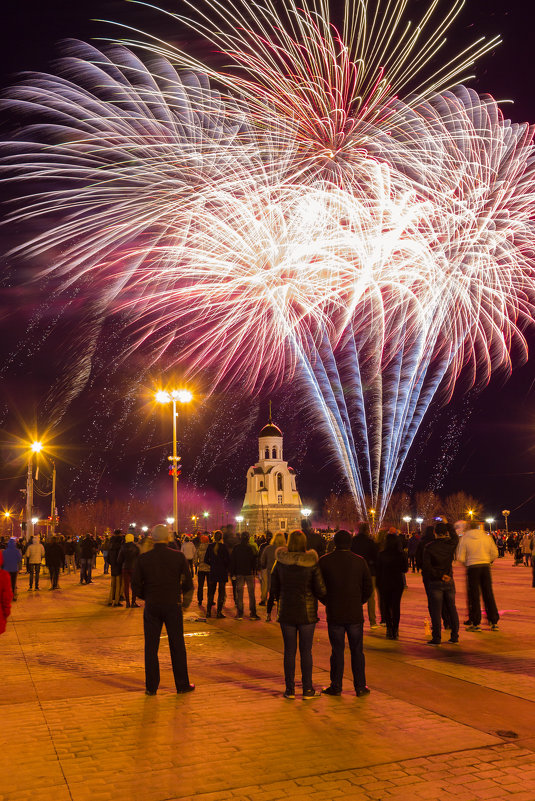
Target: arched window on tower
266, 453
273, 453
279, 482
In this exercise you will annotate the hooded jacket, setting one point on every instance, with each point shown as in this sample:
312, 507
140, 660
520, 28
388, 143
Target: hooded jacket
35, 552
297, 583
12, 557
476, 548
6, 595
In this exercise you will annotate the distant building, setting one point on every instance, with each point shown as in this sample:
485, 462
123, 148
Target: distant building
272, 502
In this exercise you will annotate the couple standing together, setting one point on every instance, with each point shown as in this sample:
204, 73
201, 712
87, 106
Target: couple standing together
342, 581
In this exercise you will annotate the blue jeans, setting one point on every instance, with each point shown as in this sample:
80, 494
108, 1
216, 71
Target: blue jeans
337, 638
240, 582
85, 570
439, 594
306, 636
35, 569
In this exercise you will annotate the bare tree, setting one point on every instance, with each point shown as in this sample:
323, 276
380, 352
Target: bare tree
461, 506
427, 505
398, 507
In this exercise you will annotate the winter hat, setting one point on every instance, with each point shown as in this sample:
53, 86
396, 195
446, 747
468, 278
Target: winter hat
160, 533
342, 539
129, 538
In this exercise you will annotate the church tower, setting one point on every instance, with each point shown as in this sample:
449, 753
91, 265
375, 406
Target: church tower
272, 502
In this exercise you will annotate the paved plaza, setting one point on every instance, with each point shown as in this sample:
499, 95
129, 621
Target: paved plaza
455, 723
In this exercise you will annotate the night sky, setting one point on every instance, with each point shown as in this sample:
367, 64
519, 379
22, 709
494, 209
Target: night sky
109, 438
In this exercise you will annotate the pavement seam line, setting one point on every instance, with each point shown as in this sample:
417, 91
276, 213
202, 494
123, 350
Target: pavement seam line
40, 706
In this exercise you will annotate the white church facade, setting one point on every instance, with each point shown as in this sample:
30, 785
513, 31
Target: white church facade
272, 502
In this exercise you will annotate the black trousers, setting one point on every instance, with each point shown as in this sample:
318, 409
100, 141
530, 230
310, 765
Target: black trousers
154, 617
479, 578
392, 606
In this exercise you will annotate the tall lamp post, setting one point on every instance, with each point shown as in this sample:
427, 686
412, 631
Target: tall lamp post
174, 396
506, 514
419, 520
35, 447
9, 517
239, 521
407, 520
372, 512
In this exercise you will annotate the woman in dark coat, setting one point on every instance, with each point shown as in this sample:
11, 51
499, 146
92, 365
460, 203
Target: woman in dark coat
297, 583
391, 566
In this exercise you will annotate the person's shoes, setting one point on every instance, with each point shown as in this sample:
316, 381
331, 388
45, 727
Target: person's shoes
454, 640
254, 617
389, 635
261, 603
220, 615
361, 691
110, 603
128, 604
289, 694
473, 627
307, 694
433, 642
135, 606
268, 618
494, 627
467, 622
330, 690
149, 692
187, 689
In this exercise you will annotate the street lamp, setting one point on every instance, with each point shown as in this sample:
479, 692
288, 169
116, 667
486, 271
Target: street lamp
194, 519
35, 448
407, 520
419, 520
490, 521
144, 529
373, 513
8, 516
506, 514
174, 396
169, 520
239, 521
470, 513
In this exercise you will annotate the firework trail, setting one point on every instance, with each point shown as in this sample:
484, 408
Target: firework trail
300, 222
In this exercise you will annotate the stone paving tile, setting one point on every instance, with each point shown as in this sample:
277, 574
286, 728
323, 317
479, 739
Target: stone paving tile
73, 691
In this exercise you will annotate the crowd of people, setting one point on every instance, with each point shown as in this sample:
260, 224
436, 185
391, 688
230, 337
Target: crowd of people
343, 572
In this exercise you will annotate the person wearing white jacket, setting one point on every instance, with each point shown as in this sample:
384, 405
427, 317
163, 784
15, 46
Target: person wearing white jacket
34, 554
477, 550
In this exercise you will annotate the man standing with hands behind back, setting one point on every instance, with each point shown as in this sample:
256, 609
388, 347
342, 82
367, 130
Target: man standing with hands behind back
349, 585
163, 579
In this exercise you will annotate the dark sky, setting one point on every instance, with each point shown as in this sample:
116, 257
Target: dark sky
483, 443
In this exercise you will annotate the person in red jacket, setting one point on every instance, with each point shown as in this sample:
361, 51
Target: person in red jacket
6, 595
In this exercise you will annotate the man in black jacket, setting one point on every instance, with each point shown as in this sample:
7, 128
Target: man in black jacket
162, 578
349, 585
242, 568
437, 568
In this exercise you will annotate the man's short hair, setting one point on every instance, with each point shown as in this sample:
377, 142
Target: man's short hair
442, 530
342, 539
